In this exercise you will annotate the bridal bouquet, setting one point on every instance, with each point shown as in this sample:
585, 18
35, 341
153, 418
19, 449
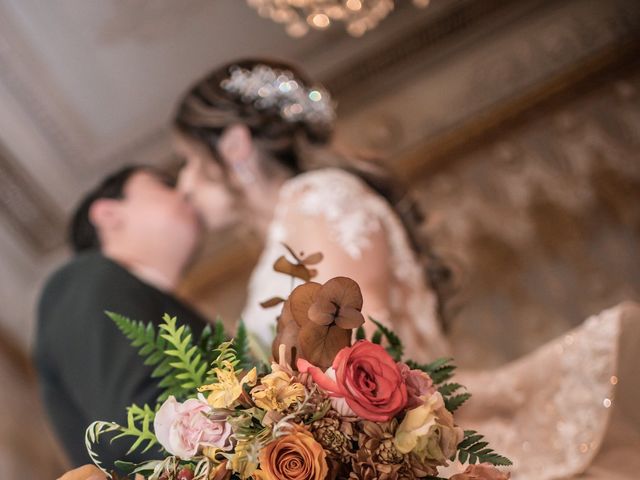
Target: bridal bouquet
333, 404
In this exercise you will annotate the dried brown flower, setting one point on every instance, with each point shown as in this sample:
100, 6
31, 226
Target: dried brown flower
377, 457
335, 436
316, 320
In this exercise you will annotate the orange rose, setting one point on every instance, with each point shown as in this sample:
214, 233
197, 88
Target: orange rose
293, 456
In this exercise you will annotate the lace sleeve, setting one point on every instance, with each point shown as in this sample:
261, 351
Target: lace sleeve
343, 202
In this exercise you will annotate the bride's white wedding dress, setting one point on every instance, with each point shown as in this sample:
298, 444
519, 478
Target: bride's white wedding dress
569, 409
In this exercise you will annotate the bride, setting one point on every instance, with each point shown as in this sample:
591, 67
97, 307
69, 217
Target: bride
257, 133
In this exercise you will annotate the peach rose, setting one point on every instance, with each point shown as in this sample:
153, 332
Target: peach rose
293, 456
367, 378
429, 431
482, 471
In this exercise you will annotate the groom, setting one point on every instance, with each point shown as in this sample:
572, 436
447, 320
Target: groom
132, 236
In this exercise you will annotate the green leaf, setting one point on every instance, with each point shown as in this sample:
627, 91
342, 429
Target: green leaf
447, 389
360, 335
139, 420
395, 347
125, 467
473, 449
455, 402
241, 343
440, 370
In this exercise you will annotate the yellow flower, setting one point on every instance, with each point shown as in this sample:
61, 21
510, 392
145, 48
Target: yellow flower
244, 461
229, 387
277, 391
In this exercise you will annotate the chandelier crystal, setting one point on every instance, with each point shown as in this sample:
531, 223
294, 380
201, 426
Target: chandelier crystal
298, 16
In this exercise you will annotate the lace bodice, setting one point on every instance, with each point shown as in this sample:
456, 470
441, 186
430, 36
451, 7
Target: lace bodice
352, 212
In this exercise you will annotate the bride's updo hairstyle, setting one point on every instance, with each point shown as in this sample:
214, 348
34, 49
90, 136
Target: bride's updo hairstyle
291, 120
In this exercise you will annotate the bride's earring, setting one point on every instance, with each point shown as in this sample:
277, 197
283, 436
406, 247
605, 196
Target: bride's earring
243, 172
237, 148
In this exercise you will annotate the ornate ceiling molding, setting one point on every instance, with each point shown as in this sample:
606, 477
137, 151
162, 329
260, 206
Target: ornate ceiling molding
34, 90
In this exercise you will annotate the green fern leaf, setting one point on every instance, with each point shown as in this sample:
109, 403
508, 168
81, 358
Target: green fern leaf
139, 422
241, 345
473, 449
182, 353
440, 370
447, 389
395, 347
455, 402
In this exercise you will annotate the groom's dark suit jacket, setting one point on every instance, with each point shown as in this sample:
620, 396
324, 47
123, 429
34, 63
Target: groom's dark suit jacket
87, 368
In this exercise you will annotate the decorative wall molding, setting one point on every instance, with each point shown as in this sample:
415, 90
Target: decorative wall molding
414, 45
470, 134
27, 209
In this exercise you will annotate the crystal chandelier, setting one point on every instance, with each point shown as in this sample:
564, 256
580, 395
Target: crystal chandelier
298, 16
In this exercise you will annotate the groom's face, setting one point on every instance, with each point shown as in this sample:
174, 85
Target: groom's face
153, 211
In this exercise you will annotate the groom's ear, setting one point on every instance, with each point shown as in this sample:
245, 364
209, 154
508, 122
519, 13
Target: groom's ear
105, 214
236, 144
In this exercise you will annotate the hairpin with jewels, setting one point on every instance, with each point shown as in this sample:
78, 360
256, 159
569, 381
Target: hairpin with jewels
268, 88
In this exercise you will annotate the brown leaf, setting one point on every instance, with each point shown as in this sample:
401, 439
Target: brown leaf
301, 299
343, 291
323, 312
349, 318
293, 254
320, 344
283, 265
286, 334
272, 302
339, 302
313, 259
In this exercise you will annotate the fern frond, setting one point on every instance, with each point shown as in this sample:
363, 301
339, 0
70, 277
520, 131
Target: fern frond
152, 346
454, 402
439, 370
225, 354
91, 437
473, 449
139, 422
210, 339
241, 343
394, 347
187, 360
447, 389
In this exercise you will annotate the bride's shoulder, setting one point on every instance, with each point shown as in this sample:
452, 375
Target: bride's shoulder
335, 183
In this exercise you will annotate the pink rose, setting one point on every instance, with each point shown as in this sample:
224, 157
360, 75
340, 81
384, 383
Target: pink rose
419, 384
482, 471
182, 428
367, 378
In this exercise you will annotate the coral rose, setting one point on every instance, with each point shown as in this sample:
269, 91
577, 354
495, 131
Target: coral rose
294, 456
367, 378
482, 471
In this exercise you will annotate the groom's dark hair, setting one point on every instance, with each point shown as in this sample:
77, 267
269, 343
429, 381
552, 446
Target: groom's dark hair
82, 233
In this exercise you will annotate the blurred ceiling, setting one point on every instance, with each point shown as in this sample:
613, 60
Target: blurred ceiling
87, 86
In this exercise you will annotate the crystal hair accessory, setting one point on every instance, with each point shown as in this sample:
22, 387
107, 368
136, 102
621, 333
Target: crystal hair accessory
268, 88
